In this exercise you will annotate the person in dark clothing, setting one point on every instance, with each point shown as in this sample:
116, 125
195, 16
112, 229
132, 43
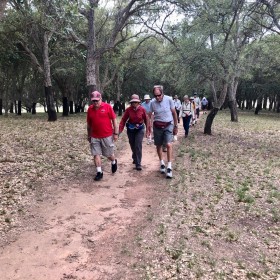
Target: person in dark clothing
135, 119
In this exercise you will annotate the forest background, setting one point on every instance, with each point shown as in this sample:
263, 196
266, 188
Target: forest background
54, 53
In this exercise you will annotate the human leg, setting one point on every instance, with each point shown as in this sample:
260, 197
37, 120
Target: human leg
186, 125
107, 145
168, 137
139, 135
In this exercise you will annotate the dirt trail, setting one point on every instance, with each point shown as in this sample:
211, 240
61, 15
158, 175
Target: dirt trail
78, 230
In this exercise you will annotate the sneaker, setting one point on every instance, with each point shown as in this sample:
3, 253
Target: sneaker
162, 169
114, 167
98, 176
138, 167
169, 173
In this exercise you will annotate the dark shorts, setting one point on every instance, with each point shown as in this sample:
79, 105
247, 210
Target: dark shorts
163, 136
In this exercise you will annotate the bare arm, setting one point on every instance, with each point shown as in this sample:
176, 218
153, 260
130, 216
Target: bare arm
116, 130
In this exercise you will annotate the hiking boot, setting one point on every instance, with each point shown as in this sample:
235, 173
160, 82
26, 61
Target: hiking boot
138, 167
98, 176
169, 173
162, 169
114, 166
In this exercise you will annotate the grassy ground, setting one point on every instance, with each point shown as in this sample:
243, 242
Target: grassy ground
221, 219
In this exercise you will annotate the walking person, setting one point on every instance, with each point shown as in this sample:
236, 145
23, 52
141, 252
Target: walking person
197, 104
178, 105
193, 120
165, 125
186, 114
102, 131
204, 103
135, 119
147, 106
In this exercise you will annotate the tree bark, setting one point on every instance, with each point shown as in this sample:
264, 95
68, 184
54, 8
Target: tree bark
259, 106
232, 99
11, 108
52, 116
91, 48
33, 110
209, 121
19, 108
65, 106
71, 107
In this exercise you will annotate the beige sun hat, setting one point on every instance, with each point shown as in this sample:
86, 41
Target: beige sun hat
147, 97
134, 98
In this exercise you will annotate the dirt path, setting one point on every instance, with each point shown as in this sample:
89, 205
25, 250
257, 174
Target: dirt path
79, 228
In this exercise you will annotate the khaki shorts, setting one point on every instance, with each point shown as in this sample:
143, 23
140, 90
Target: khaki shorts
102, 146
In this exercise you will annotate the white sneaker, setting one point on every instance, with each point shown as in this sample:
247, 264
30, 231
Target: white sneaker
169, 173
162, 169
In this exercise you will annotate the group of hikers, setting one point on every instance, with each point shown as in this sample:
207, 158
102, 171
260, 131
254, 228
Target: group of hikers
155, 118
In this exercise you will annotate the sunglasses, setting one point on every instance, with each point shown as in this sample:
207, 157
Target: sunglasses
157, 95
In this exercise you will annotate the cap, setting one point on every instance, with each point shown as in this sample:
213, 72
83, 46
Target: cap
95, 95
176, 96
195, 93
134, 98
147, 97
186, 96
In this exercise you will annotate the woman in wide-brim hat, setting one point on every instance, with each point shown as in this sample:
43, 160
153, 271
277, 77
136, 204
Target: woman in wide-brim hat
135, 119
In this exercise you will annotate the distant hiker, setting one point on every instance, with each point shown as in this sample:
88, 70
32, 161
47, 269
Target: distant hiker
147, 106
165, 125
102, 131
177, 104
204, 103
193, 120
135, 119
186, 114
197, 105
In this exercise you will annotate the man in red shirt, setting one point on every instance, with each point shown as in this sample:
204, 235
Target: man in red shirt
102, 132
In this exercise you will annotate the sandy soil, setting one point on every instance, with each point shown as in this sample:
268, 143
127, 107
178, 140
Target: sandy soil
79, 228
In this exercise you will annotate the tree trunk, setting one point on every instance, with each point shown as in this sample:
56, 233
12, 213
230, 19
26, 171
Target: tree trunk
19, 108
52, 116
1, 106
33, 110
259, 106
209, 121
91, 48
65, 105
71, 107
11, 108
232, 99
277, 105
233, 111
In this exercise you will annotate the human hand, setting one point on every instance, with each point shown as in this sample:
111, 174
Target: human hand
175, 130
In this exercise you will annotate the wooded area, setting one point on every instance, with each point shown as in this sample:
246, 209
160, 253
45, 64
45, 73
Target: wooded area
54, 53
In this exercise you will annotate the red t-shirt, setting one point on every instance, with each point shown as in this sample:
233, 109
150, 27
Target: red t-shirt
100, 120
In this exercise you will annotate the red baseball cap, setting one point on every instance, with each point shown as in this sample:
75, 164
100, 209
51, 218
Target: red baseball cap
95, 95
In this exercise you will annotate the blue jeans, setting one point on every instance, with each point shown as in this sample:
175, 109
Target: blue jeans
186, 124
